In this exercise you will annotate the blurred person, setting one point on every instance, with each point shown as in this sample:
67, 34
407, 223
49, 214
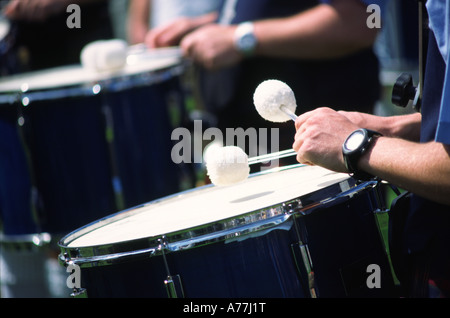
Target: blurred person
150, 14
410, 151
323, 51
158, 15
43, 38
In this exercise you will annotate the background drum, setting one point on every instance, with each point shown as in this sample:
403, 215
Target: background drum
78, 145
298, 231
95, 143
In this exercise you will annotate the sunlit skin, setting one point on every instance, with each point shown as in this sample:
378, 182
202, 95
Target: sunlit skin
422, 168
37, 10
325, 31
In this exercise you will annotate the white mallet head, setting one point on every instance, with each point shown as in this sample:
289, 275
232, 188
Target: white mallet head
275, 101
227, 165
104, 55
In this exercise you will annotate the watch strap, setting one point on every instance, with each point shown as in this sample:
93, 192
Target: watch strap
244, 38
352, 158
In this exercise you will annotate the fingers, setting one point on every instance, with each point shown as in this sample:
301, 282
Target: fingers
303, 118
169, 34
319, 137
173, 32
162, 37
211, 46
301, 126
299, 148
151, 38
187, 44
315, 114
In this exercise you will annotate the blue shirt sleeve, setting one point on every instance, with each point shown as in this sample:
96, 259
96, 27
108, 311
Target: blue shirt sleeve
443, 128
439, 15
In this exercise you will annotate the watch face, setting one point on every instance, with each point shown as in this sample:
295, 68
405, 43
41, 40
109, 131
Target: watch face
354, 140
247, 42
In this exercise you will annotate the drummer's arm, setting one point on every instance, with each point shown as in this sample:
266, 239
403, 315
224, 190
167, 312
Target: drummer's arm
422, 168
138, 20
39, 10
401, 126
398, 157
324, 31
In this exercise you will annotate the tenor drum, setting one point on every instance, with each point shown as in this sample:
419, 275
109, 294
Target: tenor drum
87, 141
297, 231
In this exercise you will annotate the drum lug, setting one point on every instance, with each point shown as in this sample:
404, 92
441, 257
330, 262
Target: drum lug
174, 287
79, 293
379, 199
292, 206
305, 267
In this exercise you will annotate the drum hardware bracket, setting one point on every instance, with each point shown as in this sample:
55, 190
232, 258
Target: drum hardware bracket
174, 287
305, 267
404, 90
292, 206
302, 258
379, 198
79, 293
172, 283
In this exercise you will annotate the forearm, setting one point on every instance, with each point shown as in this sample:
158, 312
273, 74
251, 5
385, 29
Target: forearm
401, 126
422, 168
139, 10
138, 20
39, 10
322, 32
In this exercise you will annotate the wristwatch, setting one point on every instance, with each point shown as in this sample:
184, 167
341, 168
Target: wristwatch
356, 144
244, 38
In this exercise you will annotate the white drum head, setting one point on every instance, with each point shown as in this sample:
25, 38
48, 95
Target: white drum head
138, 62
206, 205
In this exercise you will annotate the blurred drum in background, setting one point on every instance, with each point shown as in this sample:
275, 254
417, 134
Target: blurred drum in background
295, 231
8, 56
78, 144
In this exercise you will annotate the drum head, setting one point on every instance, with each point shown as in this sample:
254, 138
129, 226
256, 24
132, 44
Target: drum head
140, 62
205, 211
